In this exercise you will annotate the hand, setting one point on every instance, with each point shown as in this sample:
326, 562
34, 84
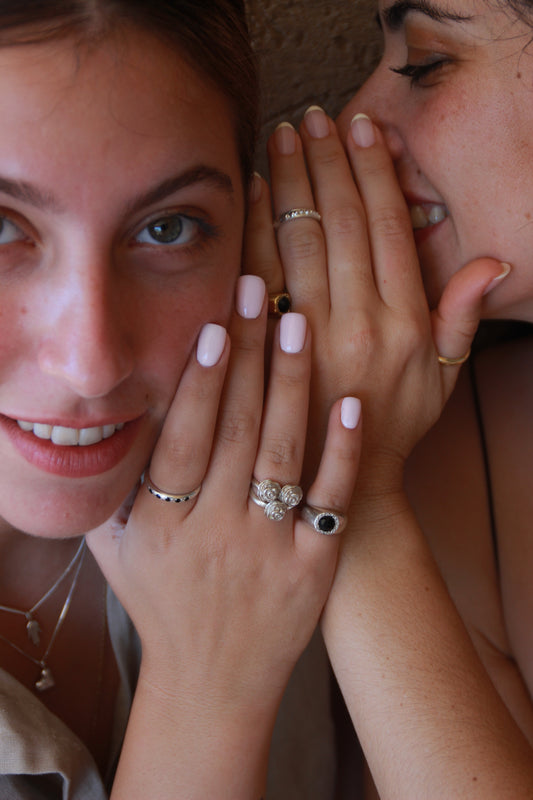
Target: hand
223, 598
356, 277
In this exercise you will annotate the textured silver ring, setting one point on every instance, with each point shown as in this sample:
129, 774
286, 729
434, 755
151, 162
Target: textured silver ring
155, 491
275, 499
296, 213
323, 520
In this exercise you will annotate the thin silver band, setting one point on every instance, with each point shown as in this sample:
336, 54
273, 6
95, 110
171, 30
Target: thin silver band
323, 520
166, 496
296, 213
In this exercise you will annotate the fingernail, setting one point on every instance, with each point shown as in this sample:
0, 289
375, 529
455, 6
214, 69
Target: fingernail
292, 332
316, 122
285, 138
363, 130
250, 296
211, 343
256, 187
506, 268
350, 412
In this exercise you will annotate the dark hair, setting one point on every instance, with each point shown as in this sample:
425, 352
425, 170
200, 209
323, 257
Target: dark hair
212, 35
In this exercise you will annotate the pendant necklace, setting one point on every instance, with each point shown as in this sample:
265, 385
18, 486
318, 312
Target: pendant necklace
46, 679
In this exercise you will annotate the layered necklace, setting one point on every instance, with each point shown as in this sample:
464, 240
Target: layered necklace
33, 628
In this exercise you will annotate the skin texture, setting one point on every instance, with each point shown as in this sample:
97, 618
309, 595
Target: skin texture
121, 315
466, 121
428, 634
106, 151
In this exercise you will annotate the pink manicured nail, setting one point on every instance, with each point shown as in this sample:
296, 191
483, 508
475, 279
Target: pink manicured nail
506, 268
316, 122
350, 412
363, 131
250, 296
292, 332
211, 344
285, 138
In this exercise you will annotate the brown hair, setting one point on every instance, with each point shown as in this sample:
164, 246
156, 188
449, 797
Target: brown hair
211, 34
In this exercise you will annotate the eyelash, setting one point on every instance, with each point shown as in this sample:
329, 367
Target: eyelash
417, 72
205, 231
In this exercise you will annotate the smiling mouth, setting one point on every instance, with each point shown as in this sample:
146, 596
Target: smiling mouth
426, 215
62, 436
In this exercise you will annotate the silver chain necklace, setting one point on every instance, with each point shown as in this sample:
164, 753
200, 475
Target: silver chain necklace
46, 679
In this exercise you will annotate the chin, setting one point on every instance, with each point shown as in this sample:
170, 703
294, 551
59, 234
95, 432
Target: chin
63, 516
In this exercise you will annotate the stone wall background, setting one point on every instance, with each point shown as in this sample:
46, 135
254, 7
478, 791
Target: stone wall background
310, 51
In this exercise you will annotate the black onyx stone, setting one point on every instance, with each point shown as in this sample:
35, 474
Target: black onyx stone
326, 523
284, 304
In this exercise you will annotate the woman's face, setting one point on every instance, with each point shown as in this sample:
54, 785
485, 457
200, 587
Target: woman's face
121, 215
458, 118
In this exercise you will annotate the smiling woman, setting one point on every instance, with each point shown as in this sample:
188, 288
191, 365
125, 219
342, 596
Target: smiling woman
428, 624
132, 434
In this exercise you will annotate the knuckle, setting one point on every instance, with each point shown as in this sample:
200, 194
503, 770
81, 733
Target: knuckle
180, 451
391, 223
302, 240
282, 451
344, 222
236, 426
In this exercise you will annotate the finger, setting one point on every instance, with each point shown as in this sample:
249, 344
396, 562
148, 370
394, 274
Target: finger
283, 432
180, 458
456, 319
350, 274
333, 486
237, 431
396, 268
300, 241
260, 252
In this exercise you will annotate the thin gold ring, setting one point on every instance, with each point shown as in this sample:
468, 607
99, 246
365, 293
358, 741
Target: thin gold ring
454, 362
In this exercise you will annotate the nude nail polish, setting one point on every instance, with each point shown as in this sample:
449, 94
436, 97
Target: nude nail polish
285, 138
211, 344
250, 296
363, 130
350, 412
316, 122
292, 332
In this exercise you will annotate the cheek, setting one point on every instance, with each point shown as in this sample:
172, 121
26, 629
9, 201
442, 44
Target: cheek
172, 328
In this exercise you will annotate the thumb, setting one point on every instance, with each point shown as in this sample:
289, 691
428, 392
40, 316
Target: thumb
455, 320
105, 541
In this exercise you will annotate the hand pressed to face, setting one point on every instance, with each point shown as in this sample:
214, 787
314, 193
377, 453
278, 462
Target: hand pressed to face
356, 277
225, 597
121, 215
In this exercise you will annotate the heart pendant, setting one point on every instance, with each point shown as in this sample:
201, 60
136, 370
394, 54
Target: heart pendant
34, 631
46, 681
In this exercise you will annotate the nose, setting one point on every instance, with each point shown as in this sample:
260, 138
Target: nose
378, 98
87, 342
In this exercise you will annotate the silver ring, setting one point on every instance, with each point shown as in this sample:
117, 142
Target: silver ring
167, 496
275, 499
323, 520
296, 213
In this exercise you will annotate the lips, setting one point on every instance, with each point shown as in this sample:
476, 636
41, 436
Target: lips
63, 436
54, 449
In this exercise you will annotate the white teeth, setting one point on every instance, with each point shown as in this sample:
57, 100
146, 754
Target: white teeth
70, 436
423, 216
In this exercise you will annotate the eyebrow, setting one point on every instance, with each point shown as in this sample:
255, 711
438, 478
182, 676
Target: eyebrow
33, 195
394, 15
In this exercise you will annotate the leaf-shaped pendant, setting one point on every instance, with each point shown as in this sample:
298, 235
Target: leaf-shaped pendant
34, 631
46, 681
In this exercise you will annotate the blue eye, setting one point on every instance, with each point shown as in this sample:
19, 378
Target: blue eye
9, 232
175, 229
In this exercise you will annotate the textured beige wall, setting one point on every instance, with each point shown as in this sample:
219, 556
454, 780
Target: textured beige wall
310, 51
